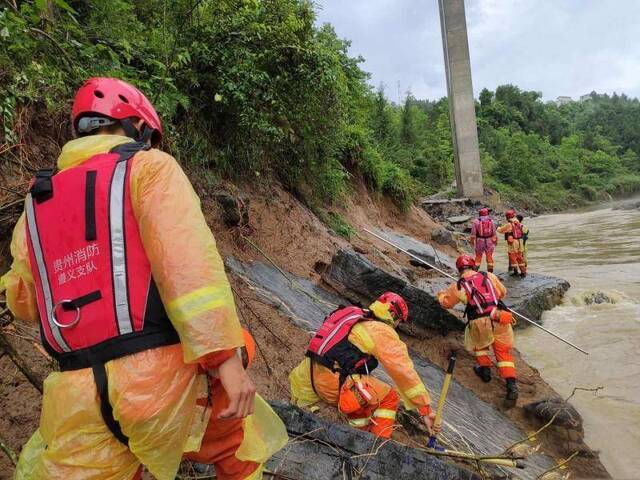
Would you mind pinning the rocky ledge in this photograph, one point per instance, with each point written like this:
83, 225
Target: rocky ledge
532, 295
321, 450
359, 280
470, 423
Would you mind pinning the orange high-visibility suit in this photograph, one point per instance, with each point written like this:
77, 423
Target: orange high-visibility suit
482, 332
515, 247
380, 340
154, 393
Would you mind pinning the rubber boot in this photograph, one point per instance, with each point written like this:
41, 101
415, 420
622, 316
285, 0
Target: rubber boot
515, 273
512, 390
483, 372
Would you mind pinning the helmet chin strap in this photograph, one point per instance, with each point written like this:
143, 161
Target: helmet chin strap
132, 132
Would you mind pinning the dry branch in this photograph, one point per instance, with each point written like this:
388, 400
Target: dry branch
8, 451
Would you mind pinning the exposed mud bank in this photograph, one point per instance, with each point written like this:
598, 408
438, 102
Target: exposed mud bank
271, 307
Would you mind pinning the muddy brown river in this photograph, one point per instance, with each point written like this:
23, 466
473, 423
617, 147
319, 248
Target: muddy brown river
598, 252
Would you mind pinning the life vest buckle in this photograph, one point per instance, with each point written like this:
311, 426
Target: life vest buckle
65, 304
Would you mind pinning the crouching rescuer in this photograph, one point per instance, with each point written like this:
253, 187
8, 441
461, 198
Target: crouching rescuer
343, 353
489, 323
114, 258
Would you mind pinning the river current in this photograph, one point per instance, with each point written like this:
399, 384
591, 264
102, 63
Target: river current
598, 252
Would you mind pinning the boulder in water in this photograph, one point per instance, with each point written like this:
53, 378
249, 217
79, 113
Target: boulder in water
532, 295
565, 414
598, 298
631, 205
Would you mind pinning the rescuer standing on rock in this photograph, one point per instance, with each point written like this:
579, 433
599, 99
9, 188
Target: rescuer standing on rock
483, 238
525, 238
341, 356
488, 321
513, 234
115, 260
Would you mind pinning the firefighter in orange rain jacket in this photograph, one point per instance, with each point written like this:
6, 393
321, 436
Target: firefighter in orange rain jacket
513, 234
489, 324
341, 356
115, 261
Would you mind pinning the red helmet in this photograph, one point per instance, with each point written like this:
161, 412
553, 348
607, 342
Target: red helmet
397, 305
465, 261
510, 213
483, 212
117, 100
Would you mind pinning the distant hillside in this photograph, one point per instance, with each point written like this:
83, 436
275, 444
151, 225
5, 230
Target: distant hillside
255, 90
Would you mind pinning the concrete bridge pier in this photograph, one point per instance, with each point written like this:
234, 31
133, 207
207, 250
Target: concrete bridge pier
460, 92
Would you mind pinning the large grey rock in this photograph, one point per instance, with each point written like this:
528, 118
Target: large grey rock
630, 205
469, 422
358, 279
321, 450
565, 414
532, 295
422, 250
444, 237
458, 219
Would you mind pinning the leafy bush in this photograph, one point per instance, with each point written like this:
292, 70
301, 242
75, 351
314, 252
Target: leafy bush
339, 225
255, 89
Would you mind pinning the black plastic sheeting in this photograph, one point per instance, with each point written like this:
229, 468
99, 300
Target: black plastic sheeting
355, 276
320, 450
470, 424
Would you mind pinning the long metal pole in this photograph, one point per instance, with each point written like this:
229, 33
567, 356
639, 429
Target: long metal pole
535, 324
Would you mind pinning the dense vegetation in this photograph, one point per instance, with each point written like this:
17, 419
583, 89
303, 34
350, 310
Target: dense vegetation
254, 88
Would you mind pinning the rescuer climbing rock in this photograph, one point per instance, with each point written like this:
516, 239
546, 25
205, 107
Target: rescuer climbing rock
341, 356
484, 238
115, 260
489, 323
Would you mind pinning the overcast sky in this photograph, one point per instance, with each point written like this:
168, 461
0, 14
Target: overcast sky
557, 47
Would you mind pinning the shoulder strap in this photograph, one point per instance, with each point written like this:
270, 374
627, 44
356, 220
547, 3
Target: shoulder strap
129, 149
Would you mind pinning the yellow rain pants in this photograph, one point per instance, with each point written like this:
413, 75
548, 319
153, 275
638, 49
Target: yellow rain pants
153, 393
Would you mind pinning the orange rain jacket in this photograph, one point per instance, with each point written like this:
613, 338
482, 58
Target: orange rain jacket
481, 332
375, 338
154, 392
514, 245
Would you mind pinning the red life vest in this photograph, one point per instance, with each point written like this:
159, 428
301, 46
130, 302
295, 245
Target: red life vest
96, 296
516, 230
485, 228
331, 347
481, 295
